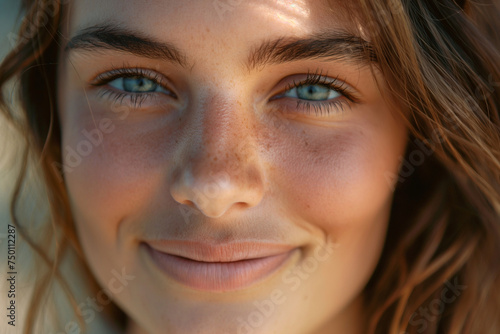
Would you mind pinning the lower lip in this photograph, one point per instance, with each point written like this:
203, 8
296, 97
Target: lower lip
217, 276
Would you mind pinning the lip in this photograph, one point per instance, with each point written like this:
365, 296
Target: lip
218, 268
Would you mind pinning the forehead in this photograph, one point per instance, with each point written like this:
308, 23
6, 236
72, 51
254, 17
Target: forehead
193, 19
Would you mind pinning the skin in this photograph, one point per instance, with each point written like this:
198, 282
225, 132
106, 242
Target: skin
221, 162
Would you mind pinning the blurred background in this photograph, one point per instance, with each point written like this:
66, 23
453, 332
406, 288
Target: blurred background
8, 14
9, 10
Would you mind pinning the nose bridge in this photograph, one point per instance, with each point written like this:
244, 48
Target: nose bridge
221, 163
223, 124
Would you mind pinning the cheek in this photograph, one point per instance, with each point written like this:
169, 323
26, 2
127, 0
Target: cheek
341, 179
113, 171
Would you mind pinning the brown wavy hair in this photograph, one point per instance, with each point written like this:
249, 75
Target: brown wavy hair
440, 268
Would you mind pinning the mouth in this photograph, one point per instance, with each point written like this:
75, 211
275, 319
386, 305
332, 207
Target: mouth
218, 268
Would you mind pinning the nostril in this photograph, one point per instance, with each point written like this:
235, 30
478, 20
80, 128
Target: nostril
242, 205
188, 203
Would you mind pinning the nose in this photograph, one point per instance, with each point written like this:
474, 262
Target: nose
220, 167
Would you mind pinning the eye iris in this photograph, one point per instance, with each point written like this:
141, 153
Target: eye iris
139, 84
313, 92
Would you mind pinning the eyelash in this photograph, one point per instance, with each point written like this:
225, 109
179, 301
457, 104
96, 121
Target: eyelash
136, 99
315, 78
335, 105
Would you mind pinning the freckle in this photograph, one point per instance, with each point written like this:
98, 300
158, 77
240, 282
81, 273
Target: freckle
308, 206
306, 143
215, 158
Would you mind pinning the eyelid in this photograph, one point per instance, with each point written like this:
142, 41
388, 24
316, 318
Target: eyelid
127, 72
317, 78
348, 96
135, 100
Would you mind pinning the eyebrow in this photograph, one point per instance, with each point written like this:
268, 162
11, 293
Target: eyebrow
325, 46
107, 37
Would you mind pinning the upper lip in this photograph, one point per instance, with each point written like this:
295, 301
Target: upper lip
228, 252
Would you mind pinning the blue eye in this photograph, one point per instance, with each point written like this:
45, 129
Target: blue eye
136, 84
136, 87
317, 92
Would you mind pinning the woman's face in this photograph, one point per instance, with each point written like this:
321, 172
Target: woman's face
199, 133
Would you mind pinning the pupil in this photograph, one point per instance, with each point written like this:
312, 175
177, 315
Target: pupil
313, 92
138, 84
